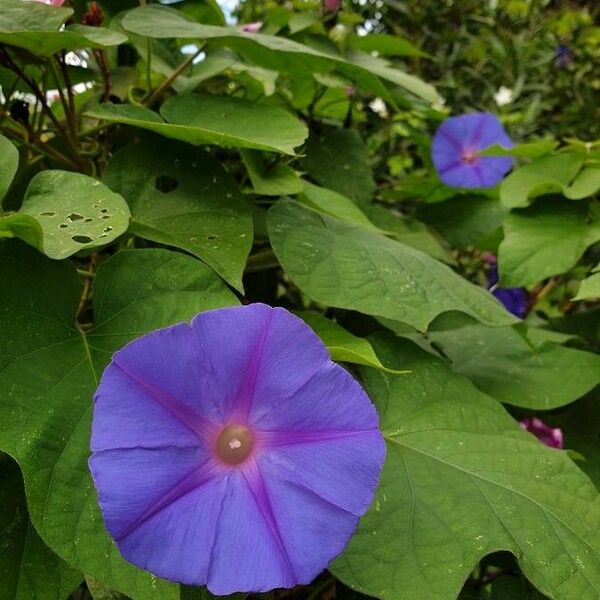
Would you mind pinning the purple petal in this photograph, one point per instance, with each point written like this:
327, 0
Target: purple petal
248, 554
330, 400
552, 437
263, 356
342, 470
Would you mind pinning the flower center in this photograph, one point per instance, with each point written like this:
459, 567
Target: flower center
234, 444
469, 156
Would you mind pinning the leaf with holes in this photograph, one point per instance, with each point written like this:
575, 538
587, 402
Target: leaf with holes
186, 200
347, 266
223, 121
74, 212
28, 569
462, 480
49, 369
9, 163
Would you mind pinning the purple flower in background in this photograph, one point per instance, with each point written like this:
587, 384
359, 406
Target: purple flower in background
233, 452
515, 300
564, 56
331, 5
252, 27
455, 151
552, 437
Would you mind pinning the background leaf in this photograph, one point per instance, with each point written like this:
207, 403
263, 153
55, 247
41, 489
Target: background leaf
461, 480
9, 163
544, 240
186, 200
224, 121
347, 266
504, 364
28, 569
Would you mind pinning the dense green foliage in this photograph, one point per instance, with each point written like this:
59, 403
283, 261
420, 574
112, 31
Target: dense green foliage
156, 162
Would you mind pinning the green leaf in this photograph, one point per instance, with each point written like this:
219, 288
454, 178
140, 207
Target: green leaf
342, 345
544, 240
276, 180
74, 211
347, 266
274, 52
338, 161
409, 231
546, 175
590, 287
28, 569
34, 26
462, 480
224, 121
384, 44
15, 225
182, 197
9, 163
579, 424
528, 150
509, 587
49, 369
464, 220
507, 366
334, 204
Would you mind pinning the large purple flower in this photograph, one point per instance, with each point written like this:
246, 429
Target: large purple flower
233, 452
455, 151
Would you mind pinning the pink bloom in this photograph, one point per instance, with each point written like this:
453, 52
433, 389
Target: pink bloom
331, 5
546, 434
252, 27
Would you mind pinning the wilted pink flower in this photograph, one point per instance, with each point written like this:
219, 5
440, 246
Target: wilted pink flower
252, 27
331, 5
552, 437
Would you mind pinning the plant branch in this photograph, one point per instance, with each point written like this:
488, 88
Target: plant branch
166, 84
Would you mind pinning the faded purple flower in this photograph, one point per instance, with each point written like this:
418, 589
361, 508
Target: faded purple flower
455, 151
515, 300
233, 452
252, 27
332, 5
552, 437
564, 56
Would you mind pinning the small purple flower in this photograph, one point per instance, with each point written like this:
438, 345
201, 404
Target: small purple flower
455, 151
252, 27
564, 56
515, 300
233, 452
552, 437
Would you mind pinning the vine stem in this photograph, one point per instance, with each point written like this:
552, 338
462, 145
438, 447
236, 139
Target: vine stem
155, 95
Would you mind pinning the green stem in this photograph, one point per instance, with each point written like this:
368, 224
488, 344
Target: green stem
156, 94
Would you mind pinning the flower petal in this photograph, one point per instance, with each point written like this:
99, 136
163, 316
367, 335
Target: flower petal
247, 554
260, 355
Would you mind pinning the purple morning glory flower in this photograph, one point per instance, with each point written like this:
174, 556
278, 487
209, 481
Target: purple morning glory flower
552, 437
233, 452
455, 151
515, 300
